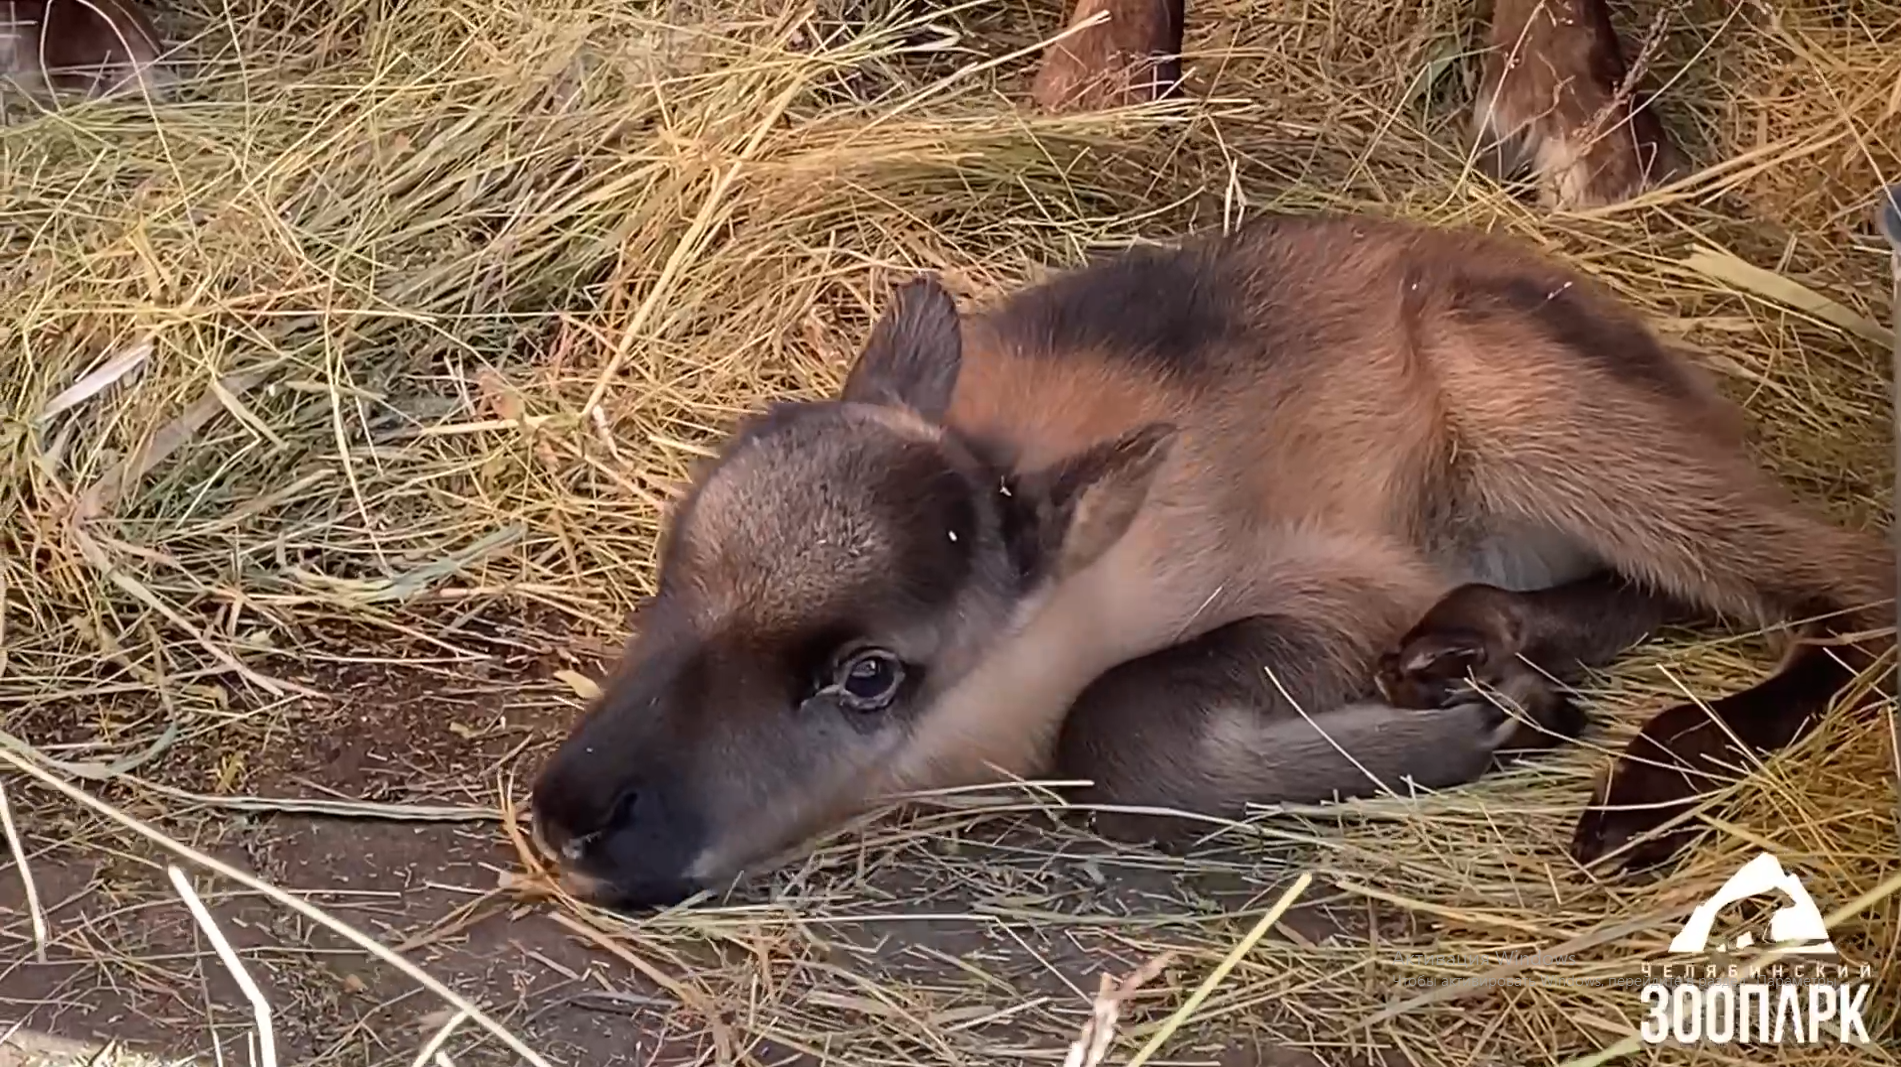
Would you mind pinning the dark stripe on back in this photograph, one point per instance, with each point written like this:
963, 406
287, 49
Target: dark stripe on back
1613, 342
1170, 309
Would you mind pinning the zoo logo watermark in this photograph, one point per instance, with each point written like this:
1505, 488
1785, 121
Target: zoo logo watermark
1780, 1003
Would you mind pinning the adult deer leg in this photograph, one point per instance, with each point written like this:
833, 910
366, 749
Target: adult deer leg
1554, 101
1130, 58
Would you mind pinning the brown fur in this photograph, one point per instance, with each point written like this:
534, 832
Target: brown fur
1134, 56
1172, 523
92, 47
1552, 100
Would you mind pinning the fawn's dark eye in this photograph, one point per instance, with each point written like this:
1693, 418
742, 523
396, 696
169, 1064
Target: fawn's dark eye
868, 679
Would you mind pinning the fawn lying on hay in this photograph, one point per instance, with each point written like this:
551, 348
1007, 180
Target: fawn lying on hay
1231, 522
92, 47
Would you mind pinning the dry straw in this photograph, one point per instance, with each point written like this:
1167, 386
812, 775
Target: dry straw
395, 339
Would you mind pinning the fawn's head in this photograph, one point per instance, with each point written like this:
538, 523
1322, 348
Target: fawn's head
832, 574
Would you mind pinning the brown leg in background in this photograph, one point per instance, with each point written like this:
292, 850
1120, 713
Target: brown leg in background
1131, 58
1552, 102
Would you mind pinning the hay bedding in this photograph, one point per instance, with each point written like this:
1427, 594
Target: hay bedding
407, 323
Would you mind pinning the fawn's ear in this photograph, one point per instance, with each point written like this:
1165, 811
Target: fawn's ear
1065, 516
914, 353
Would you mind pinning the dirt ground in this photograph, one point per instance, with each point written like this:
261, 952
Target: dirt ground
127, 962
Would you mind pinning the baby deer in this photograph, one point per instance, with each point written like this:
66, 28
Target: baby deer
1240, 521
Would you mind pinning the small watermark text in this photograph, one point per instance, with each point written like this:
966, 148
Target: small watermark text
1481, 959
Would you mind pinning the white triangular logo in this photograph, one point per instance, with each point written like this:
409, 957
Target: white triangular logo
1795, 928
